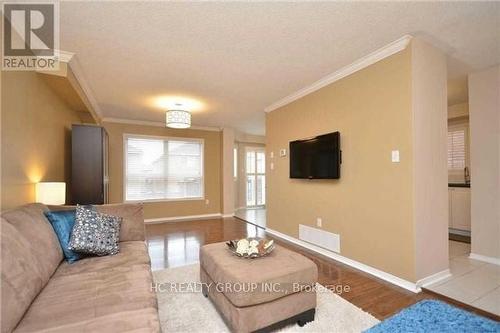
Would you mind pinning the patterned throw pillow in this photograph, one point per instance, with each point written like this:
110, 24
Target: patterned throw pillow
95, 233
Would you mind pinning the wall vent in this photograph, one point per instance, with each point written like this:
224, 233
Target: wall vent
321, 238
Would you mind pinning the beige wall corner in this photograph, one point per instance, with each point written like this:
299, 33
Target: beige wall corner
371, 205
211, 204
429, 108
36, 137
228, 188
484, 116
68, 86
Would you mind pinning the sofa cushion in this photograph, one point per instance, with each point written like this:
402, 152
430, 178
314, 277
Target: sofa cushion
21, 276
132, 226
30, 255
31, 223
137, 321
131, 253
62, 222
281, 273
95, 300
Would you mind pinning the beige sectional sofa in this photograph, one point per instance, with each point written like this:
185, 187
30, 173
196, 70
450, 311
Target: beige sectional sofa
42, 292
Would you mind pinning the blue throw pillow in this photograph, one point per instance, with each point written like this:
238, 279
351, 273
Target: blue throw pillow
62, 222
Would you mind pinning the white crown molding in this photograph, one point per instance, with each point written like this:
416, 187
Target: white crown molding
154, 123
383, 52
75, 67
64, 56
480, 257
182, 218
413, 287
434, 278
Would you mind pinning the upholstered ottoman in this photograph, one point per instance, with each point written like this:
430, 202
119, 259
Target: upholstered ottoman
259, 294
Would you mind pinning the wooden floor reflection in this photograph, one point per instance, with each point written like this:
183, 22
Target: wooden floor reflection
178, 244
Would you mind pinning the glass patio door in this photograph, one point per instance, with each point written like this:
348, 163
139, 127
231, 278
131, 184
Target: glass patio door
256, 176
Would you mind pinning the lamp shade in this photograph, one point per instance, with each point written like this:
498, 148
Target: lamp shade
51, 193
178, 119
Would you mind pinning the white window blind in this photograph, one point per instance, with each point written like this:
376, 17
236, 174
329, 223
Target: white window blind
456, 149
163, 168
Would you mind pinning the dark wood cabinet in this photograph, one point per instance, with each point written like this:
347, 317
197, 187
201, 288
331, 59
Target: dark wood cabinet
89, 165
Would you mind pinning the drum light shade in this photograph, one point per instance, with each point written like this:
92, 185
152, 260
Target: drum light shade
51, 193
178, 119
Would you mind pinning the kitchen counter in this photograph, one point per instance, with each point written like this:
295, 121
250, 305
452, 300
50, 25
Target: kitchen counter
458, 185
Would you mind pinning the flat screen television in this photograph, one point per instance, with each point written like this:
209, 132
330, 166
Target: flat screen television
316, 158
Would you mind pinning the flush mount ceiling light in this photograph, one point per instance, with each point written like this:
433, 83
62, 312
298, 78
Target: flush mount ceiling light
178, 119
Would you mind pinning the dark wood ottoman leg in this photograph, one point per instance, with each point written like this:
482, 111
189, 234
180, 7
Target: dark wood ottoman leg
301, 319
306, 317
204, 290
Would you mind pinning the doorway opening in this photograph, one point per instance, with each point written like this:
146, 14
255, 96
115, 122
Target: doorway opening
253, 182
255, 167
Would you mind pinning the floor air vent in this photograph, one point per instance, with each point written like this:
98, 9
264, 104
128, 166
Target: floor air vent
321, 238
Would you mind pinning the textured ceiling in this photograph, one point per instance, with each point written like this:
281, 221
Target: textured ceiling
236, 58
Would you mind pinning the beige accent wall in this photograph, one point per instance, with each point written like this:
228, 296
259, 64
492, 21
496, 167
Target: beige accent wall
458, 110
155, 210
484, 108
458, 92
371, 205
391, 216
430, 168
36, 137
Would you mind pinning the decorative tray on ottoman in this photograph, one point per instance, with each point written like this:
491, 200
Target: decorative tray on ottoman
251, 247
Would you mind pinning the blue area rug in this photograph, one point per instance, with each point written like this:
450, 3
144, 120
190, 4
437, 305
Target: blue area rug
435, 316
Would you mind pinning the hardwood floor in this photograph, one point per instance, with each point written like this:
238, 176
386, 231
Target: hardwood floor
177, 244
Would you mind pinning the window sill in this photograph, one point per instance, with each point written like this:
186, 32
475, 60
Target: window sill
164, 200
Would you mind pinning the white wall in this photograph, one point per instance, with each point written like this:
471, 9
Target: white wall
430, 126
484, 117
227, 171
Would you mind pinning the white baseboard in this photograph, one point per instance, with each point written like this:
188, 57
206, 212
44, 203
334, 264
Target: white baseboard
480, 257
413, 287
434, 278
183, 218
227, 215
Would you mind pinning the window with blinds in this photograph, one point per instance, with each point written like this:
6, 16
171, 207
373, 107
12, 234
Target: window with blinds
456, 149
163, 168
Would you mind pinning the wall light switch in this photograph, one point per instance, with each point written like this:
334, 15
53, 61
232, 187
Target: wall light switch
207, 202
395, 156
271, 154
271, 166
282, 152
319, 222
